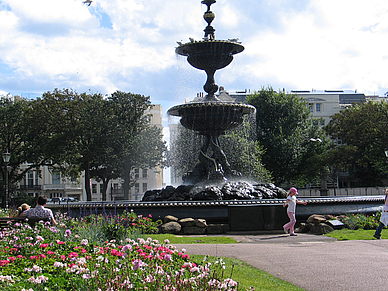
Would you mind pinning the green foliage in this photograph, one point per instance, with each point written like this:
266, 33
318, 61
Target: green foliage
285, 130
362, 129
56, 258
179, 239
248, 277
74, 132
245, 154
242, 151
360, 221
358, 234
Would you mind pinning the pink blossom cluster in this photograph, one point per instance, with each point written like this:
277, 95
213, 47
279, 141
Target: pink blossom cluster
50, 254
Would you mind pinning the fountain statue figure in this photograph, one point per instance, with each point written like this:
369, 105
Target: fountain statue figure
210, 116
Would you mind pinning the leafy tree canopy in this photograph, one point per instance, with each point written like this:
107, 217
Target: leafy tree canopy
285, 130
362, 133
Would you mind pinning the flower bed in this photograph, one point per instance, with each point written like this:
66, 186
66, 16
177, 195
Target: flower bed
67, 257
360, 221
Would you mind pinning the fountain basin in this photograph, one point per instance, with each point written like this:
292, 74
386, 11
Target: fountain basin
209, 54
211, 117
262, 215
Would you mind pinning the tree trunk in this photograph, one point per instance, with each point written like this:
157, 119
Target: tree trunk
105, 187
87, 183
127, 179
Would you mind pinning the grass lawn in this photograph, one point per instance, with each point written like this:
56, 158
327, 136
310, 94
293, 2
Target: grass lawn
359, 234
180, 239
243, 273
248, 276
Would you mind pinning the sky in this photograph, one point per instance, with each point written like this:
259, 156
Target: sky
129, 45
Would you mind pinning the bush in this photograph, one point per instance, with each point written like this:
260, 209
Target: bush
49, 258
360, 221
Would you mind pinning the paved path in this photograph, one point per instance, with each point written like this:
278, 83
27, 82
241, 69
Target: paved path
314, 263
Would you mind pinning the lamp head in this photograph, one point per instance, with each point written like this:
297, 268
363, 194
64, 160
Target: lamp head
6, 157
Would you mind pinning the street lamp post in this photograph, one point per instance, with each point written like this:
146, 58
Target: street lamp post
6, 158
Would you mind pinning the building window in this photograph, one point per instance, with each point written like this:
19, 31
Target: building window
137, 188
30, 178
94, 188
56, 178
101, 188
311, 108
318, 107
137, 174
145, 187
144, 174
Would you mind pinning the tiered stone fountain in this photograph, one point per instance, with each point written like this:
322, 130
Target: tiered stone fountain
212, 178
210, 191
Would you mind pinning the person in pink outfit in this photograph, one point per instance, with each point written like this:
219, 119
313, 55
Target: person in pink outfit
291, 202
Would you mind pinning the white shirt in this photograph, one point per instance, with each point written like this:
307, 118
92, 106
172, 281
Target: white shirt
291, 201
39, 211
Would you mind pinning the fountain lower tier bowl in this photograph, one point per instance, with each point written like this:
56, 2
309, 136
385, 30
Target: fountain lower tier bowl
210, 54
211, 117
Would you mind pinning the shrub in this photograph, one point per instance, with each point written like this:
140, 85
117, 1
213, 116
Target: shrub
360, 221
61, 258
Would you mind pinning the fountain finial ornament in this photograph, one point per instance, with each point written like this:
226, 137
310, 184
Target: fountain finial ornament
209, 17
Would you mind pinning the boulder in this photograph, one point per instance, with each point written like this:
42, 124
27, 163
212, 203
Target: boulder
186, 222
170, 227
169, 218
304, 227
200, 222
316, 219
206, 193
238, 190
321, 228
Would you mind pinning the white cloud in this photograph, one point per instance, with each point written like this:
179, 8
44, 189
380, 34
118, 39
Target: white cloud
320, 44
333, 52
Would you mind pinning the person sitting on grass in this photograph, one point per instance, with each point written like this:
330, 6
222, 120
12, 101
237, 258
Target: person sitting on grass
40, 211
383, 218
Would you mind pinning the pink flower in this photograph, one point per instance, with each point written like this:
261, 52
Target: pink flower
43, 246
115, 252
72, 255
4, 262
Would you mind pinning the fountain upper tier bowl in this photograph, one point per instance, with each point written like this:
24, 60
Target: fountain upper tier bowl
209, 54
211, 117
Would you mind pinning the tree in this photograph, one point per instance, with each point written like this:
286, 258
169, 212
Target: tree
243, 153
362, 133
285, 130
12, 140
137, 143
20, 136
72, 131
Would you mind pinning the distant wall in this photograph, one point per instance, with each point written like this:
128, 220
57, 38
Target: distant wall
364, 191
